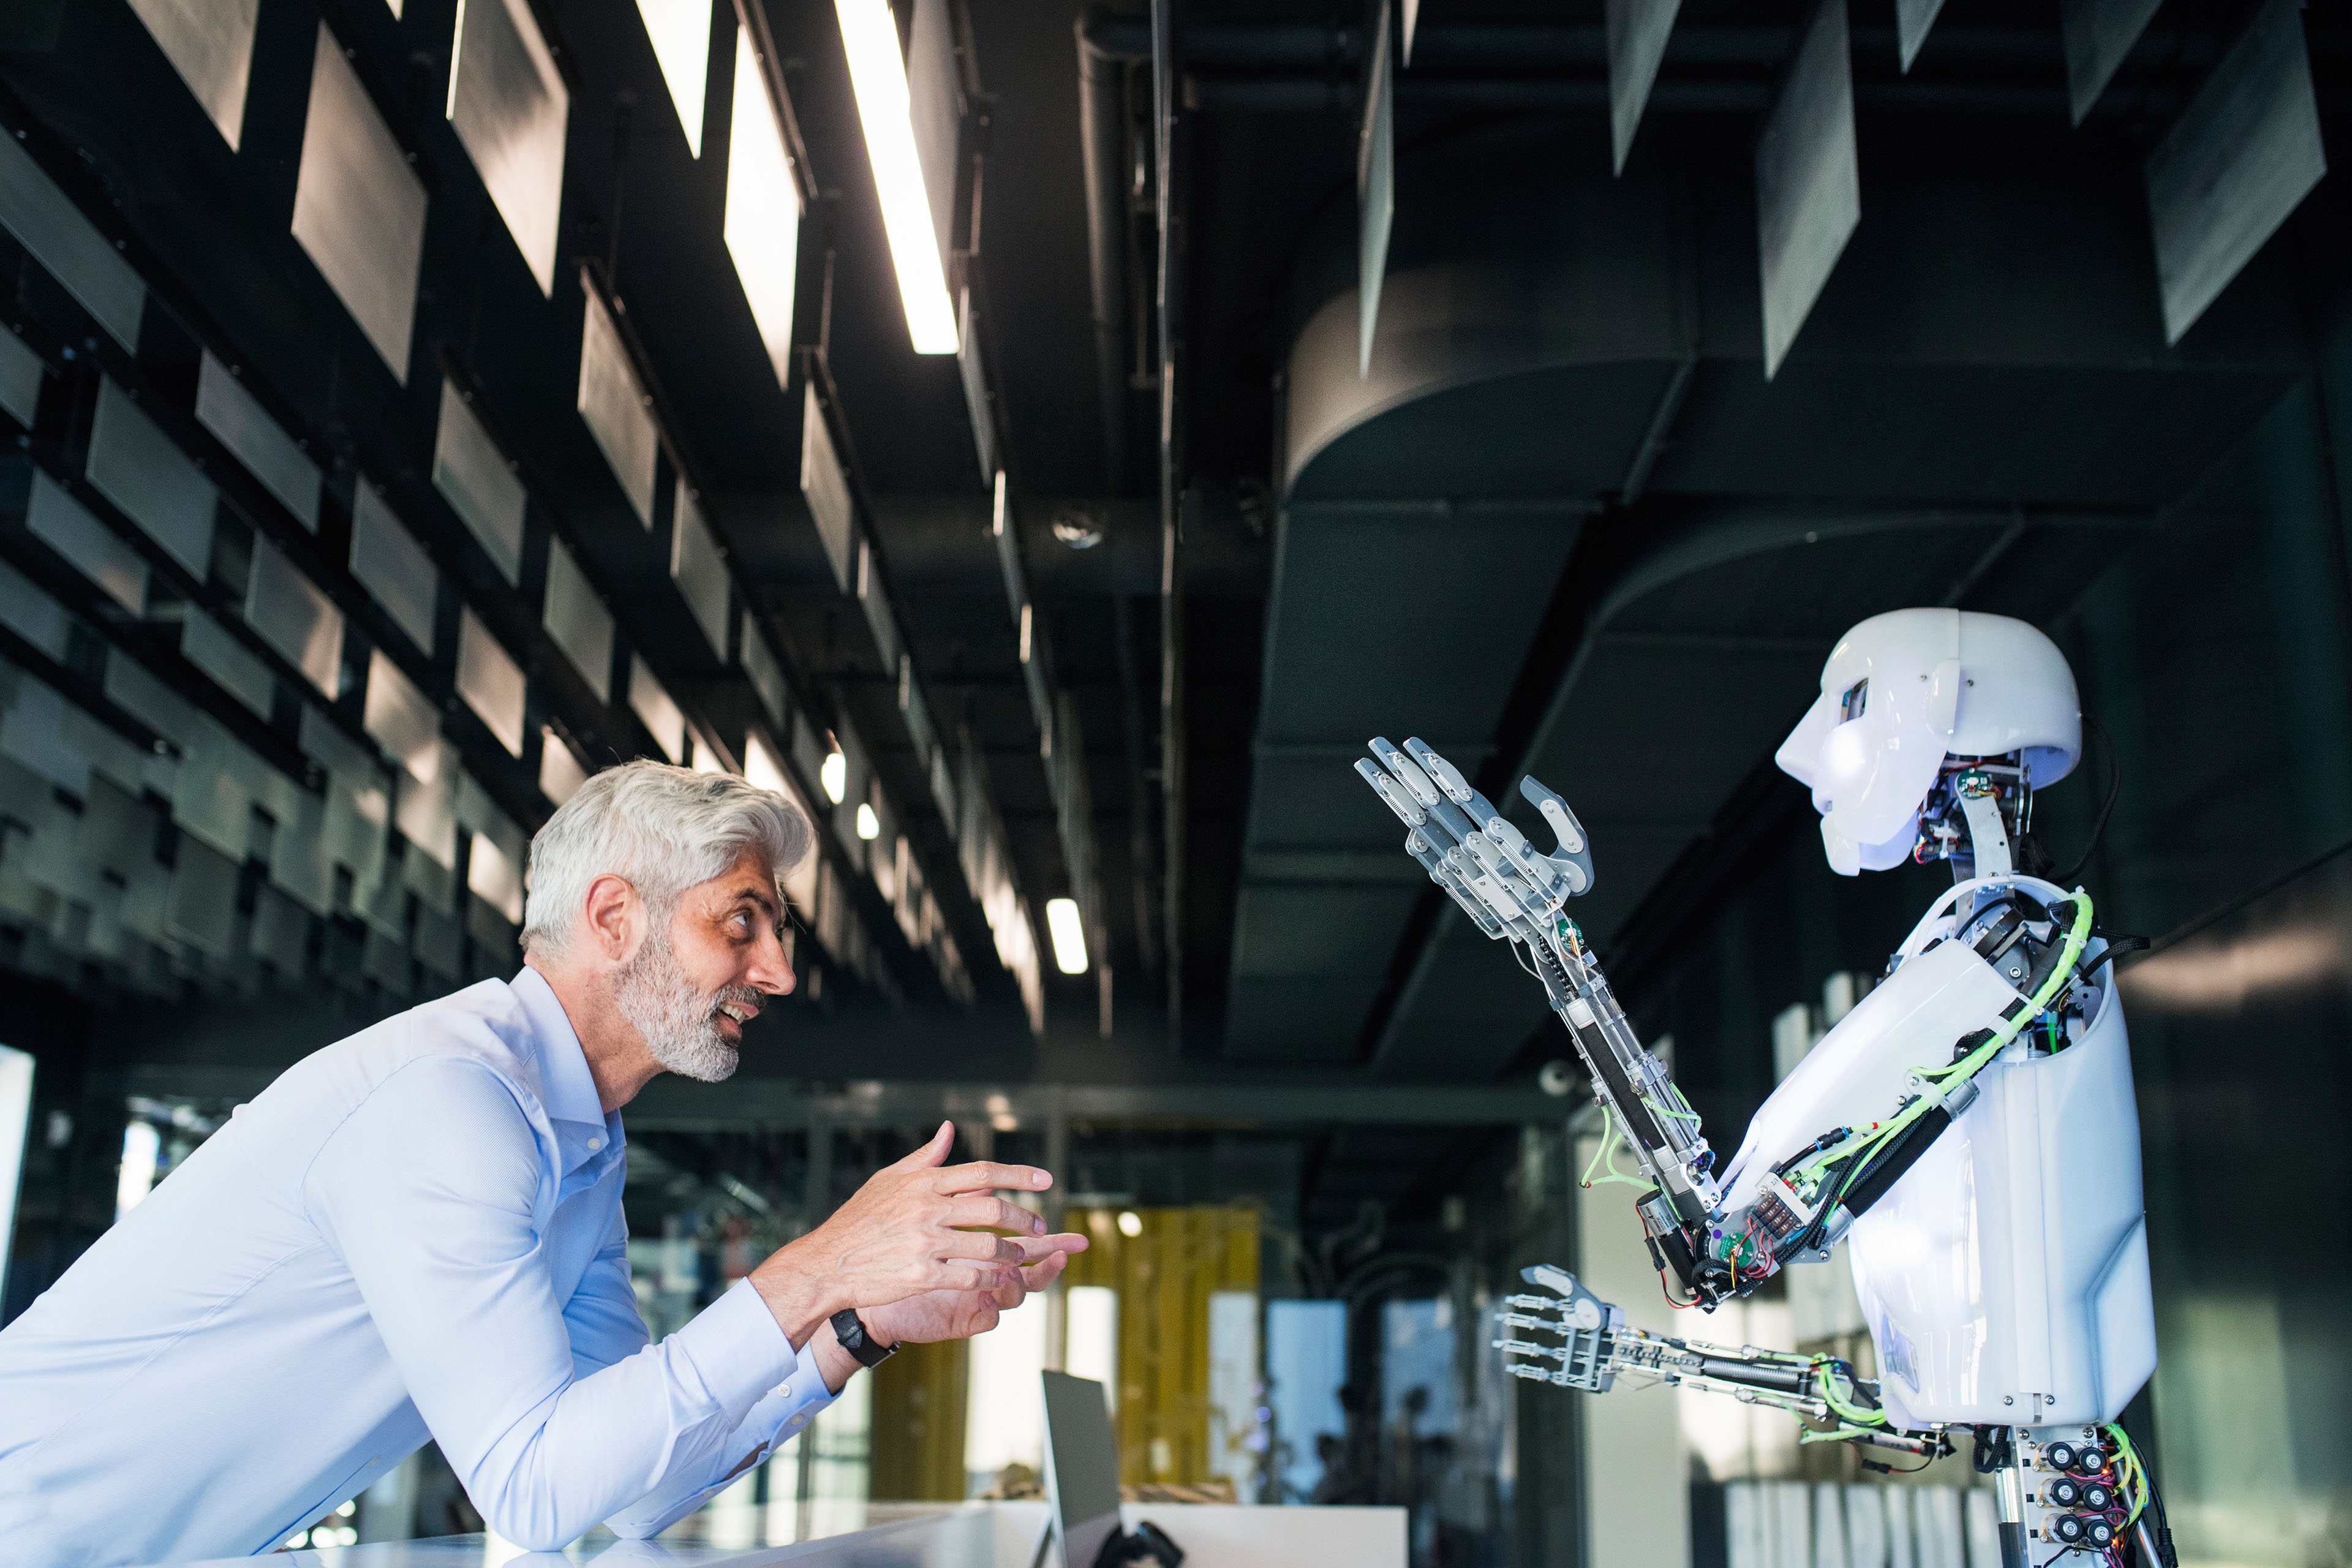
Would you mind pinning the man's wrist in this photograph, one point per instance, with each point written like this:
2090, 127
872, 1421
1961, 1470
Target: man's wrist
833, 1364
868, 1346
799, 1303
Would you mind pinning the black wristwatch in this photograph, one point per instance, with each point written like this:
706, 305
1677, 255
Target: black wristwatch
850, 1330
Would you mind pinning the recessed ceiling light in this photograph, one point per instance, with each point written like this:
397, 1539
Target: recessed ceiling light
878, 74
1069, 935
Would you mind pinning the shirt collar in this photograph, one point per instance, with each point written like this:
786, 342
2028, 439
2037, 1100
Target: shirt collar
583, 1126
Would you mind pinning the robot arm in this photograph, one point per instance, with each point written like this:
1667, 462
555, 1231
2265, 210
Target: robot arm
1512, 891
2085, 1492
1835, 1137
1594, 1347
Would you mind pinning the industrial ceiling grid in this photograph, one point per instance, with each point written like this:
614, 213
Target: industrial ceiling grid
243, 670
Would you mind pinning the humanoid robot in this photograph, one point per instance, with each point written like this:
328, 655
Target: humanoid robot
1969, 1129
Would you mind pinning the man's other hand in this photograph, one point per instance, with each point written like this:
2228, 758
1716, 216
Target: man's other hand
917, 1226
960, 1314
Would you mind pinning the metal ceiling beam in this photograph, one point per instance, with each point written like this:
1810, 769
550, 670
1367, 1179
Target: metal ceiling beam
1169, 122
1260, 94
1102, 143
1287, 68
674, 1105
1550, 46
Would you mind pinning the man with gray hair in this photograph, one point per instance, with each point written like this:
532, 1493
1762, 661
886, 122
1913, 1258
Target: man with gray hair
416, 1232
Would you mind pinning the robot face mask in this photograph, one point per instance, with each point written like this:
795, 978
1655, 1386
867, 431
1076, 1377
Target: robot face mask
1904, 689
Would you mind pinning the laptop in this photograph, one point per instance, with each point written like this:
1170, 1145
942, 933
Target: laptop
1081, 1468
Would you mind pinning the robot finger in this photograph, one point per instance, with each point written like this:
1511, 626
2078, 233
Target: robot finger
1408, 810
1575, 850
1433, 861
1542, 874
1449, 780
1406, 770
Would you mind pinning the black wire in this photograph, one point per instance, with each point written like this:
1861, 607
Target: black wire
1892, 1469
2099, 822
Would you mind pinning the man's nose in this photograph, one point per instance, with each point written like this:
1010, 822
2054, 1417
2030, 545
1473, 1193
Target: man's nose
770, 971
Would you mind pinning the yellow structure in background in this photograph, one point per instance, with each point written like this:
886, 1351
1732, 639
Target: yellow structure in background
1165, 1272
919, 1423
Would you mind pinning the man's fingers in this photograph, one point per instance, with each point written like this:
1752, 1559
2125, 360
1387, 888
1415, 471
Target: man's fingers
982, 1175
1033, 1248
981, 1209
946, 1275
983, 1245
934, 1153
1037, 1276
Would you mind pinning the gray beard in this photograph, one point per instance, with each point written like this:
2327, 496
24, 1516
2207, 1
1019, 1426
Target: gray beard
679, 1023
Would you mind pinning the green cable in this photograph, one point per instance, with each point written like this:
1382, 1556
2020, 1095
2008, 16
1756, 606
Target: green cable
1608, 1150
2132, 1468
1843, 1434
2005, 1030
1838, 1405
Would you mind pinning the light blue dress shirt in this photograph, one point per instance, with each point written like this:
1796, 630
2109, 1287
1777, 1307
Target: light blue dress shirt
416, 1232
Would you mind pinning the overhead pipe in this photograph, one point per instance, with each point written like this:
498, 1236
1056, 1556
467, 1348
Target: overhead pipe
1257, 93
1102, 97
1168, 145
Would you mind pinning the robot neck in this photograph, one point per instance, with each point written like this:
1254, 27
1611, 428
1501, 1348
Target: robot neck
1973, 817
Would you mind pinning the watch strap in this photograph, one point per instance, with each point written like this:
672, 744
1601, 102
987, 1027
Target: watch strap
850, 1330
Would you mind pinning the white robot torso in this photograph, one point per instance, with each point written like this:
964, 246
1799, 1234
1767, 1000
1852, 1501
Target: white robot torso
2004, 1276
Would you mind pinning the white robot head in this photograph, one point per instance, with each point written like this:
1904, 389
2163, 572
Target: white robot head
1903, 690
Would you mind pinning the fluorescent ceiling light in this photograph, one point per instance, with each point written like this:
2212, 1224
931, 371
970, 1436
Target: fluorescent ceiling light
681, 30
763, 209
868, 825
878, 72
834, 774
1069, 935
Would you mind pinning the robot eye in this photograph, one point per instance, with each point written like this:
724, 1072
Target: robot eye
1856, 698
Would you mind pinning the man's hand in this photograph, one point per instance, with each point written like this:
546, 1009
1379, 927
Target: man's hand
948, 1314
960, 1314
912, 1228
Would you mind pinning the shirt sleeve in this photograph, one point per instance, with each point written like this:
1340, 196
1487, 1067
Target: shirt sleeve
429, 1192
602, 1317
776, 1419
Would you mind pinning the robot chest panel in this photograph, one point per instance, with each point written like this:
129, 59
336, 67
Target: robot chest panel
2004, 1276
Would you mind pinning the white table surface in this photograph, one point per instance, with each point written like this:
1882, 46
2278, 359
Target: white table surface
914, 1535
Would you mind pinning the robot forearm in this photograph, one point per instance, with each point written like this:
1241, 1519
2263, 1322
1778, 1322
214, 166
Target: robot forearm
1512, 891
1581, 1342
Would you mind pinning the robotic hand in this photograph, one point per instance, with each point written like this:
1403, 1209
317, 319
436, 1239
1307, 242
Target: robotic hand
1970, 1127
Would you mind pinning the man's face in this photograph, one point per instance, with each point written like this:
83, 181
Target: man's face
691, 987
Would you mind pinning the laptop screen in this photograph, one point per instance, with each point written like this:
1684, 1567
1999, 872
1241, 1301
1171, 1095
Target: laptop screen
1081, 1468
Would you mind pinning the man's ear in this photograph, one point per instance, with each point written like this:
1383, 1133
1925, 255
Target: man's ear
614, 916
